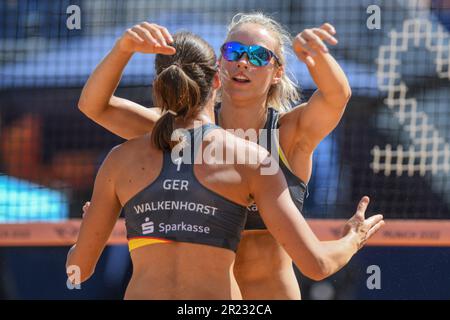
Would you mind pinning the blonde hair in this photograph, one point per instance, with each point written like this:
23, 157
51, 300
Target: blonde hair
282, 95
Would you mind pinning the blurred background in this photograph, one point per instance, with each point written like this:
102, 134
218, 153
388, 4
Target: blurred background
392, 143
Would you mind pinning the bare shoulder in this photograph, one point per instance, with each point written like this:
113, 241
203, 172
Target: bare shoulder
155, 110
128, 151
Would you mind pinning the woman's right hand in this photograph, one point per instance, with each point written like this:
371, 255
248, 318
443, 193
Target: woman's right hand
146, 37
359, 227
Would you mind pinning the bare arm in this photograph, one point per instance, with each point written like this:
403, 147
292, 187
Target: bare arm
98, 222
316, 118
316, 259
121, 116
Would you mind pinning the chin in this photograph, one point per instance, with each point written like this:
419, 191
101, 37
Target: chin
241, 97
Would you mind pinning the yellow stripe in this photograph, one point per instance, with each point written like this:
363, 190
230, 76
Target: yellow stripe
141, 242
281, 154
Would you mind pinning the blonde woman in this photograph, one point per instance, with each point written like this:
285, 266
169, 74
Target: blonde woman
256, 93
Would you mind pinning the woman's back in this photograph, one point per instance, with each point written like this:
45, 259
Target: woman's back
184, 221
182, 270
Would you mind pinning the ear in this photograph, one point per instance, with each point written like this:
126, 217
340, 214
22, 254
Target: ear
278, 75
216, 81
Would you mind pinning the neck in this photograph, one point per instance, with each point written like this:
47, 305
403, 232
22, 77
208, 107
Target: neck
242, 115
203, 117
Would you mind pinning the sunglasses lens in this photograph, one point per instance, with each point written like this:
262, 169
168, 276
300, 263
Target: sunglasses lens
257, 55
260, 56
231, 51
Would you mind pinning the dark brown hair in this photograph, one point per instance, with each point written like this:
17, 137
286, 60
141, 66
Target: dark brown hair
183, 84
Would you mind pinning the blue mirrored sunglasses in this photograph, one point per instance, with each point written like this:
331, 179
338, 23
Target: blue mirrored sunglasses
257, 55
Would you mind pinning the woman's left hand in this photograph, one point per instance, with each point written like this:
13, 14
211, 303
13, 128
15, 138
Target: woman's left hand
310, 42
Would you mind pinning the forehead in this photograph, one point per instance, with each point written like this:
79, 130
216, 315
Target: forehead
250, 33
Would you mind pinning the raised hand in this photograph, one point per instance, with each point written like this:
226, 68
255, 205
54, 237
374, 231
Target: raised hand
310, 42
147, 37
363, 229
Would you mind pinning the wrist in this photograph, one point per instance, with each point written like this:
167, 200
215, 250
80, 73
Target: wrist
120, 48
352, 240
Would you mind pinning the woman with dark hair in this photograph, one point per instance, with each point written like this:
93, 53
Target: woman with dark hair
185, 209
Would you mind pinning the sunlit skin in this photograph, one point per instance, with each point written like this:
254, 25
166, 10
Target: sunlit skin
261, 263
251, 95
263, 269
185, 270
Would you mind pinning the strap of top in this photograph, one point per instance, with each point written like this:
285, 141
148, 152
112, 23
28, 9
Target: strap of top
197, 135
192, 143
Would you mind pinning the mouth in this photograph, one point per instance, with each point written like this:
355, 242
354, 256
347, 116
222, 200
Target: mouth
240, 78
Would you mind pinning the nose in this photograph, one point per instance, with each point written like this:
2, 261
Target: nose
243, 61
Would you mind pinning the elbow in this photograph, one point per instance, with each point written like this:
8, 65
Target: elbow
339, 98
78, 273
316, 277
77, 270
323, 270
86, 274
344, 96
347, 94
90, 109
345, 89
82, 105
320, 269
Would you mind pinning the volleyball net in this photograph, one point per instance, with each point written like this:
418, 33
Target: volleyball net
392, 143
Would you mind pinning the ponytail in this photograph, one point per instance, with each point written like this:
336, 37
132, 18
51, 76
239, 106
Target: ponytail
178, 96
183, 85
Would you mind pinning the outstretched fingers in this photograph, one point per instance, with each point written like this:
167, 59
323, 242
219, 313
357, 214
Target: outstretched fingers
374, 229
362, 207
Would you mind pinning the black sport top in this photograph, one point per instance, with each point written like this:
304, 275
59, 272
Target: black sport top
297, 188
177, 207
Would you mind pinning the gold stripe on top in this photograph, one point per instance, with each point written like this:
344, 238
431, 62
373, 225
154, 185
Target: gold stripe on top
135, 243
283, 158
